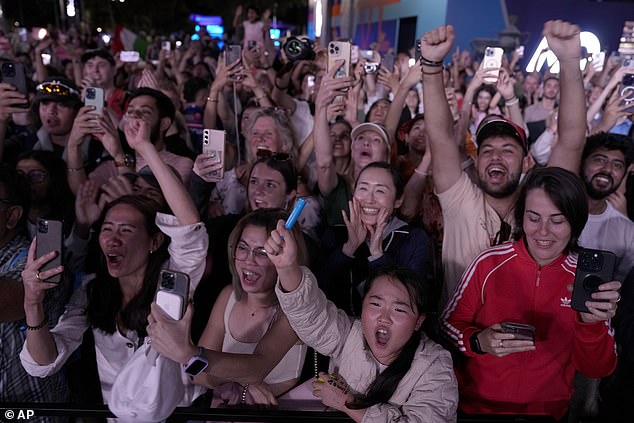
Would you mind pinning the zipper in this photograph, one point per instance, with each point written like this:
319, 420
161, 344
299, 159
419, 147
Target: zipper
539, 276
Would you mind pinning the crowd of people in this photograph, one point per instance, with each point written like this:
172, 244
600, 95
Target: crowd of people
442, 208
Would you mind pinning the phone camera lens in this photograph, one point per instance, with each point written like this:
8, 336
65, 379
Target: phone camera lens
42, 227
167, 281
90, 93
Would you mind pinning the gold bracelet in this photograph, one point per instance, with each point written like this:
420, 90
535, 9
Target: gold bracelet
212, 100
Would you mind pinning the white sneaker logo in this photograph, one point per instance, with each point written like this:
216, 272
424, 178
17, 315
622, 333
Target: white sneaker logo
565, 302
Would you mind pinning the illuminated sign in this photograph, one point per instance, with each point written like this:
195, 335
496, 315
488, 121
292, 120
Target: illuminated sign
543, 54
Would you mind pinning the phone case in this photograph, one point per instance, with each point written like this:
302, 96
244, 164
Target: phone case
233, 54
173, 293
214, 146
387, 62
50, 238
492, 59
94, 97
339, 50
594, 267
521, 331
13, 73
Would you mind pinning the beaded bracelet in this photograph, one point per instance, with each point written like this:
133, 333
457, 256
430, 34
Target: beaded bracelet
38, 327
243, 397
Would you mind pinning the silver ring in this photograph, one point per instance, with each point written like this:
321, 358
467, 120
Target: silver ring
501, 343
37, 276
149, 341
618, 299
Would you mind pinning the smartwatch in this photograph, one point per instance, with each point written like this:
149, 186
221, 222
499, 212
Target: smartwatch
474, 343
197, 364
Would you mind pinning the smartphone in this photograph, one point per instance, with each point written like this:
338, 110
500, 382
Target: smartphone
339, 50
521, 331
387, 62
354, 54
49, 237
13, 73
166, 45
23, 34
214, 147
594, 267
173, 293
492, 59
130, 56
233, 54
366, 54
520, 51
46, 59
94, 97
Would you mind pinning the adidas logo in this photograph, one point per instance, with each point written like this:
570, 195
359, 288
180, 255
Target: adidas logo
565, 302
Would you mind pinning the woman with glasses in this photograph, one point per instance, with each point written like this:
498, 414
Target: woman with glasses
252, 351
529, 282
51, 196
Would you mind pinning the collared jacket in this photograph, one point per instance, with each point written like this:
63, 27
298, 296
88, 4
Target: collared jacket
505, 284
428, 392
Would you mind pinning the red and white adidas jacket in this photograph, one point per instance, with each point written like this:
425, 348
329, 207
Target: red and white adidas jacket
504, 284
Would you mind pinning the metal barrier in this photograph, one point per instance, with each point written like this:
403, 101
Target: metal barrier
238, 414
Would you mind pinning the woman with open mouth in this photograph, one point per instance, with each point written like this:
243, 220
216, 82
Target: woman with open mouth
372, 237
253, 353
387, 368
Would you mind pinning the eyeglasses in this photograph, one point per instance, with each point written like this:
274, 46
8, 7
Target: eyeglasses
243, 252
35, 176
263, 153
57, 88
503, 235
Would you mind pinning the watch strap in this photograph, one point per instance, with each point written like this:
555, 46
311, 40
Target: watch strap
197, 364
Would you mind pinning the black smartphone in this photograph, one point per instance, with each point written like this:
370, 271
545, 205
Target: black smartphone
521, 331
173, 293
387, 62
50, 237
13, 73
594, 267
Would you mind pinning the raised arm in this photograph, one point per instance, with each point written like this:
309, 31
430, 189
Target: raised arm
137, 132
564, 40
434, 46
330, 88
396, 108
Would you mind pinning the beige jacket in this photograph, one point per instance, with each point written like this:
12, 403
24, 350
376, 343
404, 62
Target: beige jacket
427, 393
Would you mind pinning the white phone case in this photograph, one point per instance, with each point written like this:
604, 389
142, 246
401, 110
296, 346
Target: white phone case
492, 59
171, 303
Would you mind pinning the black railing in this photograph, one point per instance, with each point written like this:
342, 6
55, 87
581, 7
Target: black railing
282, 414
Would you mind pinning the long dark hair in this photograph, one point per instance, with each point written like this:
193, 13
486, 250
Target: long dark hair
385, 384
104, 292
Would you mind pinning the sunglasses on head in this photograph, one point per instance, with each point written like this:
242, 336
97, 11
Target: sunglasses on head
56, 88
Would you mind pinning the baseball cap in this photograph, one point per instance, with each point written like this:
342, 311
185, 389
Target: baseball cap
369, 126
500, 126
58, 89
99, 52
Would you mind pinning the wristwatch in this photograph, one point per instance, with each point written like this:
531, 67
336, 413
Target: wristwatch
197, 364
474, 342
127, 161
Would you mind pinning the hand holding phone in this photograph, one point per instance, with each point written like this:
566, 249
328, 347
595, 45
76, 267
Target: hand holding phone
173, 293
521, 331
214, 148
95, 98
50, 238
594, 267
491, 63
